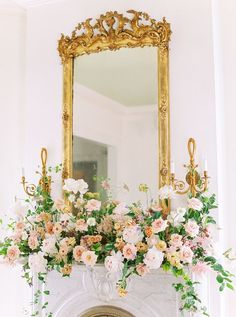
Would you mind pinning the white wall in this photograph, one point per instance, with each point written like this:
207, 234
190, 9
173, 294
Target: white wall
14, 294
225, 69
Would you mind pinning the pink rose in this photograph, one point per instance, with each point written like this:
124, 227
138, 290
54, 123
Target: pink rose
186, 254
159, 225
176, 240
105, 185
200, 268
195, 204
191, 228
92, 205
129, 251
13, 254
142, 269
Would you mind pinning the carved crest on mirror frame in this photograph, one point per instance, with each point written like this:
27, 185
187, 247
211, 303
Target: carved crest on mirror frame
113, 31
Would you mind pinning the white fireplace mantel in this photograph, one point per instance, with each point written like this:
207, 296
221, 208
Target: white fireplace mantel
151, 296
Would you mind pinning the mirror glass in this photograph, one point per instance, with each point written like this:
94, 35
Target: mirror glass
115, 120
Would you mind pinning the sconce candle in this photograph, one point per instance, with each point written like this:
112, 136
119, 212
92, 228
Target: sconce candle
205, 165
172, 167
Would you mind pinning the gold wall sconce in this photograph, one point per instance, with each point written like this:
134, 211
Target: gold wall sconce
194, 182
45, 180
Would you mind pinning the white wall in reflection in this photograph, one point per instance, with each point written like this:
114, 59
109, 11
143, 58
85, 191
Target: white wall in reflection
130, 134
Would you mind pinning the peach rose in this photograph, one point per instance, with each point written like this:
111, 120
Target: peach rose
13, 253
33, 242
77, 252
57, 228
81, 225
142, 269
159, 225
129, 251
63, 251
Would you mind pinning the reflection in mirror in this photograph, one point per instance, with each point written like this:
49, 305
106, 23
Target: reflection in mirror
115, 133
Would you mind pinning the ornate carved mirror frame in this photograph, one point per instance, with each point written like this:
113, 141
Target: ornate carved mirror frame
113, 31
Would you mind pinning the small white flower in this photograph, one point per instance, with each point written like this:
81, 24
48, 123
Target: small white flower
24, 235
91, 222
71, 198
176, 217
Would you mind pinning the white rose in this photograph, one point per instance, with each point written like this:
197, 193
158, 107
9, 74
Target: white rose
113, 263
191, 228
133, 234
166, 192
121, 209
75, 186
153, 258
37, 263
49, 246
195, 204
91, 222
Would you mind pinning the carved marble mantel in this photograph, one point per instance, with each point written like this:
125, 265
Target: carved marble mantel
151, 296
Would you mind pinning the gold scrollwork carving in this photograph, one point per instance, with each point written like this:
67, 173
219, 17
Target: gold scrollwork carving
112, 31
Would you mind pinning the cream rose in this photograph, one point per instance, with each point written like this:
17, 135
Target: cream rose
89, 258
195, 204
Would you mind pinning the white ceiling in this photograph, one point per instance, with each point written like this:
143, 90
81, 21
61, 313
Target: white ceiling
128, 76
30, 3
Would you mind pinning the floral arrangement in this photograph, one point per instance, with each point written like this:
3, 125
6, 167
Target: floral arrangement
128, 239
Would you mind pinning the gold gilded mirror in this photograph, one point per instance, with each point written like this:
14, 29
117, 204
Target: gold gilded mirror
116, 103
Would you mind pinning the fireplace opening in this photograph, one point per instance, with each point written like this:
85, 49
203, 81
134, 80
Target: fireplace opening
106, 311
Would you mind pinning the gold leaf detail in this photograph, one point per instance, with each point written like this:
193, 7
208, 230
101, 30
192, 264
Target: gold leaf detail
112, 31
